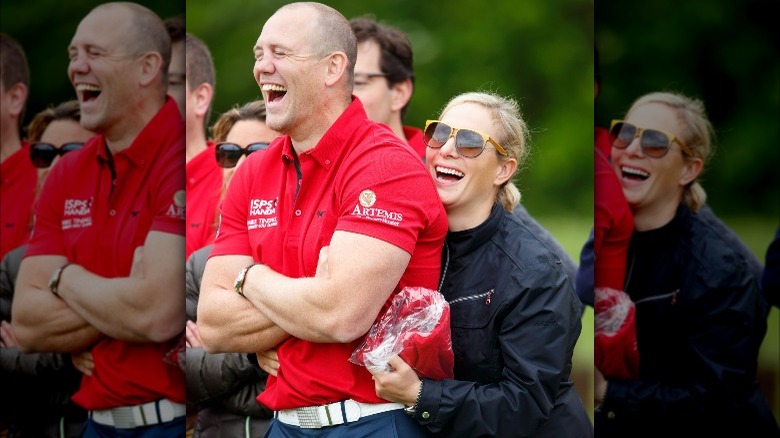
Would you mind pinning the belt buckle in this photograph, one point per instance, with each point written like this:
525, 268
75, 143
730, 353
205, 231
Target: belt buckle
123, 418
308, 418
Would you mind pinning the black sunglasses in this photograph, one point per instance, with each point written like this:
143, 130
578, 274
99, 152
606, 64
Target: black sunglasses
468, 142
228, 154
654, 143
42, 154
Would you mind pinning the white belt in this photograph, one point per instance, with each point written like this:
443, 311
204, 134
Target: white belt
147, 414
315, 417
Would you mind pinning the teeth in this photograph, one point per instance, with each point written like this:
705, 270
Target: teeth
273, 87
87, 87
449, 171
634, 171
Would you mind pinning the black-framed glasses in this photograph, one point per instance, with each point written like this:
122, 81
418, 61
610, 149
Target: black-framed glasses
654, 143
228, 154
43, 154
468, 142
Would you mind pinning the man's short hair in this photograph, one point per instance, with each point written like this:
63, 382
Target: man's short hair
396, 56
200, 66
13, 63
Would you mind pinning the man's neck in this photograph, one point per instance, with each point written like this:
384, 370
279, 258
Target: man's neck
196, 141
398, 128
120, 137
9, 144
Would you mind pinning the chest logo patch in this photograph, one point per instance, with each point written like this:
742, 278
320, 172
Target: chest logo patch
262, 213
77, 213
367, 198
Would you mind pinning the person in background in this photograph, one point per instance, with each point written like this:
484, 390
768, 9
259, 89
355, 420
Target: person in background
18, 177
515, 317
700, 315
204, 177
224, 386
770, 278
37, 386
103, 271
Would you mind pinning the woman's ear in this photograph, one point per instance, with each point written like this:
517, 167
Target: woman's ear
505, 171
690, 170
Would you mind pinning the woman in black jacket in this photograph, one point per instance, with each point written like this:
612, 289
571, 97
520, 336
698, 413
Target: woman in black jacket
515, 317
700, 315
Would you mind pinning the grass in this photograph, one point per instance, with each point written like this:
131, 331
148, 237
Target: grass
756, 232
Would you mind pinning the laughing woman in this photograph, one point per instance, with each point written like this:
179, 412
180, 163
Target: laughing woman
699, 313
515, 317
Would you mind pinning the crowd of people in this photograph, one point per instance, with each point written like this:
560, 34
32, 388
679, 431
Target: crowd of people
163, 276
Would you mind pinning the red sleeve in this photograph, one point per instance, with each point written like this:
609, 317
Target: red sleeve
170, 202
613, 225
46, 238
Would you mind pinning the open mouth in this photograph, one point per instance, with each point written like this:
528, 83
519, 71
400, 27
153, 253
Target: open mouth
88, 92
633, 173
449, 175
275, 92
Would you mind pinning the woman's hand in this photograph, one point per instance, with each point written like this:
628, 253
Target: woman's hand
268, 361
401, 385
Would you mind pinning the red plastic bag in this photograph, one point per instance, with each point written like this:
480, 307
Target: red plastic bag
416, 327
615, 349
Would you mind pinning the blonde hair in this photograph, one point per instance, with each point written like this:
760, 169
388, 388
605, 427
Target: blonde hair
697, 134
513, 135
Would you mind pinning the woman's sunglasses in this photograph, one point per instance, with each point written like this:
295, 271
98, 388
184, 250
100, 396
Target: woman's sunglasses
228, 154
468, 143
654, 143
43, 154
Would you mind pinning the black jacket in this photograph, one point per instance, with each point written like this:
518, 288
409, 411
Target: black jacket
35, 388
223, 386
700, 320
515, 319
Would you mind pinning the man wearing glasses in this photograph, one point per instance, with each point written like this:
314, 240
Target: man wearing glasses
334, 179
102, 276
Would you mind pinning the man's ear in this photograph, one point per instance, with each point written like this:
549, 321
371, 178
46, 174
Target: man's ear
17, 94
203, 94
505, 171
151, 64
690, 170
401, 93
336, 67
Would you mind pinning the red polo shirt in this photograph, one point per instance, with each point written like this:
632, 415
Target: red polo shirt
414, 136
18, 178
98, 225
204, 189
359, 178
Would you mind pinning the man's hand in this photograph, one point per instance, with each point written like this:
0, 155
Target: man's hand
193, 335
7, 338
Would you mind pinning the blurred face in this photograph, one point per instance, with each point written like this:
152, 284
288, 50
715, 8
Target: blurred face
285, 69
244, 133
652, 186
466, 184
102, 70
177, 75
59, 132
373, 92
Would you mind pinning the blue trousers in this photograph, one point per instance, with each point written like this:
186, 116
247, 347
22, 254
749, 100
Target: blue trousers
175, 428
392, 424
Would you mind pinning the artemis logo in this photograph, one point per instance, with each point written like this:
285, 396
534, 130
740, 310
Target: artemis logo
378, 214
262, 207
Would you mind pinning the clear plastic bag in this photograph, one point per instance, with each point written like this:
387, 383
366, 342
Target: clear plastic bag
416, 327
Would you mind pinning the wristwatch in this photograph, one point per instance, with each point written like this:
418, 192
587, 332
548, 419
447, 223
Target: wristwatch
238, 284
54, 281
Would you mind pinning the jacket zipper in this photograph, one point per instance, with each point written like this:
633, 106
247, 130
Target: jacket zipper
474, 297
672, 294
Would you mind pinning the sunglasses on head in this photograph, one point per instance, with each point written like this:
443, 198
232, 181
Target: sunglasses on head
228, 154
654, 143
42, 154
468, 143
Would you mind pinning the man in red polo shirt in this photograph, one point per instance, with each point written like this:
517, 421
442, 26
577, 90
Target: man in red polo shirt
18, 176
384, 77
104, 271
204, 176
334, 179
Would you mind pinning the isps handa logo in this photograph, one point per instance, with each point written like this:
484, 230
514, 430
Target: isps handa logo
77, 213
262, 213
178, 206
